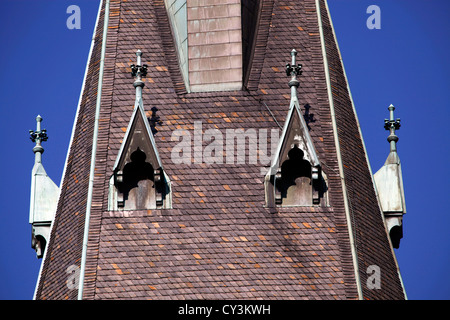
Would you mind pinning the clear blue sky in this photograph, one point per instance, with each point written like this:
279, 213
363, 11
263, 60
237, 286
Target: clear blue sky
404, 63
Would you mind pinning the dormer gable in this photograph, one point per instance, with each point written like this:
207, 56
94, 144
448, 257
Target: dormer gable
138, 180
295, 177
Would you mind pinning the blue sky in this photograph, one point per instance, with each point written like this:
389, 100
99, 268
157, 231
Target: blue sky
405, 63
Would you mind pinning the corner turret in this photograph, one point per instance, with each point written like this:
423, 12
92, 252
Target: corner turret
44, 195
389, 183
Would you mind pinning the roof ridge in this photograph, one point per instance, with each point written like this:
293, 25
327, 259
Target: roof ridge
168, 46
258, 48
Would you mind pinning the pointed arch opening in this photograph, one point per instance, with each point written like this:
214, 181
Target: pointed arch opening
295, 177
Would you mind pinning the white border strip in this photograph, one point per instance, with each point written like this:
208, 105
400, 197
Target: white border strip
338, 151
93, 155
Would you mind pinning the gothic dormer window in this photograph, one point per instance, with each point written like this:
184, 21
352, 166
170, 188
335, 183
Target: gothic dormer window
295, 177
139, 181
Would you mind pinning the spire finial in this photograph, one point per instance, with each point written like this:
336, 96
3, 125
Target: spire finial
392, 124
293, 70
138, 71
38, 136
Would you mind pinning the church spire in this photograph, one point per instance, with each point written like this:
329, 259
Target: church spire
115, 221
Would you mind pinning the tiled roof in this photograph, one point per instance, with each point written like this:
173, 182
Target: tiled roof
218, 241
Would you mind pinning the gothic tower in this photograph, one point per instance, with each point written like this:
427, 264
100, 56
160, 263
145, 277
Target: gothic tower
216, 154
